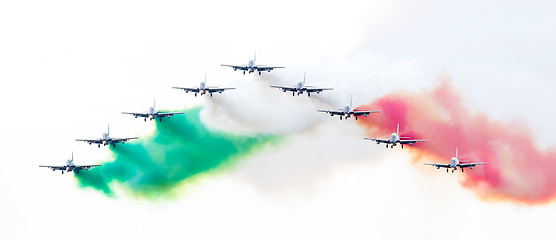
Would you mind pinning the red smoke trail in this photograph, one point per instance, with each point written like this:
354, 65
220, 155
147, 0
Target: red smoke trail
517, 170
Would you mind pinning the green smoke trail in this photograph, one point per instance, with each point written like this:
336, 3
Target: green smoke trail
180, 148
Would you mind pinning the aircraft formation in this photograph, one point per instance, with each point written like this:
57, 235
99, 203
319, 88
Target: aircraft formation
344, 113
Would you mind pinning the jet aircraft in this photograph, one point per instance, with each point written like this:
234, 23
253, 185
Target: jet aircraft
153, 114
300, 88
71, 167
348, 111
251, 67
203, 89
106, 139
395, 138
455, 163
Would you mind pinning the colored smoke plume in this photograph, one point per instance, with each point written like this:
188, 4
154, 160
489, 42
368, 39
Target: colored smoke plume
517, 169
180, 148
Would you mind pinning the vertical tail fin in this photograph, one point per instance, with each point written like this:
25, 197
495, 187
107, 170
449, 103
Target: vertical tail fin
398, 130
205, 78
456, 152
255, 57
304, 75
70, 161
154, 103
108, 132
351, 101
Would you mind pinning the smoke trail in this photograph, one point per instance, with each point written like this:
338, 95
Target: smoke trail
179, 149
254, 107
517, 169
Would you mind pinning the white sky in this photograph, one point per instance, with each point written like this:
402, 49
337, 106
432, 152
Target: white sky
68, 68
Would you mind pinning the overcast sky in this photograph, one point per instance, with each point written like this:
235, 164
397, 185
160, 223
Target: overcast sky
67, 69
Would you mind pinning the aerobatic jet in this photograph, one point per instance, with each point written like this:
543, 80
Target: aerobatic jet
106, 139
455, 163
395, 139
251, 67
71, 167
204, 89
153, 114
300, 88
348, 111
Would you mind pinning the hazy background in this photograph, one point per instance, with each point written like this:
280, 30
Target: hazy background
67, 69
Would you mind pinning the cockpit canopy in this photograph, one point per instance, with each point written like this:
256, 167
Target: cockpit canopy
394, 137
347, 109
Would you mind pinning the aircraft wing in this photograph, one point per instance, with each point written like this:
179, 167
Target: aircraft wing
136, 114
54, 167
95, 141
218, 89
120, 140
291, 89
411, 141
464, 165
317, 90
331, 112
187, 89
86, 167
437, 165
378, 140
360, 112
235, 67
168, 114
265, 68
